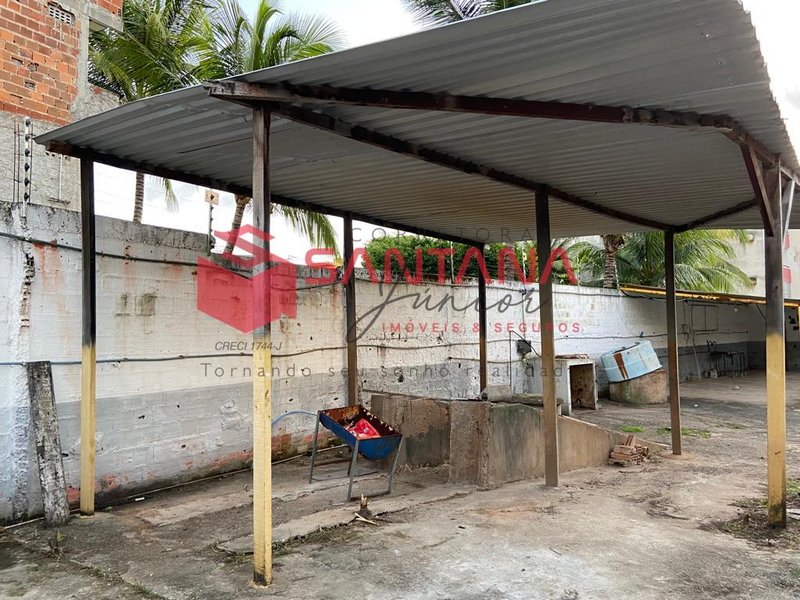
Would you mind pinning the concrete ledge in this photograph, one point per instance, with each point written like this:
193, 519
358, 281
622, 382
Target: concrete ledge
424, 423
490, 444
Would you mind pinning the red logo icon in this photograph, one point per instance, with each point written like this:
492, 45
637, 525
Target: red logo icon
247, 303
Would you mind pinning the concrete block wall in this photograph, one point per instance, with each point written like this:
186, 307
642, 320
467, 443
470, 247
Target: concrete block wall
174, 385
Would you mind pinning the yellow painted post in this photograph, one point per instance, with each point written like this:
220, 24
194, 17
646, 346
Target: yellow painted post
776, 366
547, 332
262, 359
88, 338
672, 344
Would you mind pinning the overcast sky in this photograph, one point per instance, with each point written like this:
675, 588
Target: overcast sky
366, 21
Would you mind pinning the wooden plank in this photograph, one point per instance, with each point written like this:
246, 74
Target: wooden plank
88, 338
483, 326
547, 329
776, 369
262, 359
350, 314
673, 369
48, 443
755, 172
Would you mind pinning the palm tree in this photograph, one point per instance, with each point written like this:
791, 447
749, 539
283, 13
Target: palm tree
154, 52
235, 44
612, 243
702, 260
438, 12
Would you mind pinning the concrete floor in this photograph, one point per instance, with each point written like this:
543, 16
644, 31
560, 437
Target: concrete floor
641, 532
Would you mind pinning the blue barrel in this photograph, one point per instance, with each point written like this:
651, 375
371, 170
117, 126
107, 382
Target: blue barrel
630, 362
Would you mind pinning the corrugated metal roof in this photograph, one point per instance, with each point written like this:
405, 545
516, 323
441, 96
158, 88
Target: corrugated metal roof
698, 55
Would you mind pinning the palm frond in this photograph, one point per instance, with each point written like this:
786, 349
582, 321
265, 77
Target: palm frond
315, 227
439, 12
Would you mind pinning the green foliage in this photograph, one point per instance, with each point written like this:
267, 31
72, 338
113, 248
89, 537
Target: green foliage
686, 432
166, 45
155, 52
632, 429
437, 12
703, 260
407, 246
235, 44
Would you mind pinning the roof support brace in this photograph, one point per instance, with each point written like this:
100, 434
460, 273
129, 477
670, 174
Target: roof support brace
755, 171
726, 212
787, 202
368, 136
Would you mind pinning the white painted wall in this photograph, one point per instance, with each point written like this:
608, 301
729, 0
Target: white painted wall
173, 393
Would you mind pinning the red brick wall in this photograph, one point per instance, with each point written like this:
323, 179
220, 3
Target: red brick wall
39, 58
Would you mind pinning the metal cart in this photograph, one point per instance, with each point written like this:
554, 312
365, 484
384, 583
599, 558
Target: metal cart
337, 420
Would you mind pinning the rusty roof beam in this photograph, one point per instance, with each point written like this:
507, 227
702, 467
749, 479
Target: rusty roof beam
355, 132
59, 147
286, 92
726, 212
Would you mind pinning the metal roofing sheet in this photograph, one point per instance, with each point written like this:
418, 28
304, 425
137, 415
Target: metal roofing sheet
698, 55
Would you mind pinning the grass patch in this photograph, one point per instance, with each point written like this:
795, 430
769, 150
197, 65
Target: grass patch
698, 433
752, 525
632, 429
686, 432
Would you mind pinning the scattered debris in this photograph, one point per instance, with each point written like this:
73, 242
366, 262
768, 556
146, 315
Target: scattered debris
629, 453
364, 514
364, 510
363, 520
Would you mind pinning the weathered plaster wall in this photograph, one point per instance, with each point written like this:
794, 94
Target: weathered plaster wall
173, 383
173, 396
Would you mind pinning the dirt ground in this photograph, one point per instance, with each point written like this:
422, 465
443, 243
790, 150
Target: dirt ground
680, 528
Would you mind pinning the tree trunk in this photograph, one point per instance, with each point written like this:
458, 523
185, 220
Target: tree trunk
611, 246
508, 268
138, 199
610, 271
241, 204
